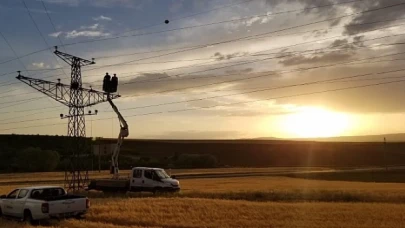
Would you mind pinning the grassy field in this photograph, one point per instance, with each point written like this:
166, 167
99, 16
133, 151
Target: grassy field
261, 201
178, 213
59, 176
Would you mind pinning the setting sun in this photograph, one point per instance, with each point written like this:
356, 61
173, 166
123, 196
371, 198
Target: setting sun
316, 122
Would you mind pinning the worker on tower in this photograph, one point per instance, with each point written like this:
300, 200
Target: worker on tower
107, 83
114, 84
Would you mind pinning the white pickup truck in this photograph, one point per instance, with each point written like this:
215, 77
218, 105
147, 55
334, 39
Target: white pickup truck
41, 203
141, 179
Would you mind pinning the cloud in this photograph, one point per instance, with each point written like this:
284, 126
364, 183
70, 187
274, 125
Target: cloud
73, 3
92, 27
341, 49
95, 30
149, 83
309, 4
251, 21
220, 56
55, 34
240, 71
110, 3
96, 3
102, 18
375, 99
88, 33
323, 58
41, 65
390, 13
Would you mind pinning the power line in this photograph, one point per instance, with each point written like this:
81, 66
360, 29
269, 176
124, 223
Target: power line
31, 99
144, 81
36, 26
53, 25
188, 16
156, 80
264, 89
337, 81
273, 73
28, 110
22, 56
230, 104
41, 125
39, 31
12, 49
209, 24
260, 76
259, 51
271, 98
249, 92
327, 19
20, 102
94, 40
275, 31
258, 37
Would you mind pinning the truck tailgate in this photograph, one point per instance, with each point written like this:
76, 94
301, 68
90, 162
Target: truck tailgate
67, 206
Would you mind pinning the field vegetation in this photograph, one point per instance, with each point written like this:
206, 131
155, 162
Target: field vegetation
254, 201
178, 213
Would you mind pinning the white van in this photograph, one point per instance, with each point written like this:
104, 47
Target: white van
142, 179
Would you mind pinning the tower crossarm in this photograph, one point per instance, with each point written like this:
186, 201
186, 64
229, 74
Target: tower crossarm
70, 59
55, 90
93, 97
61, 92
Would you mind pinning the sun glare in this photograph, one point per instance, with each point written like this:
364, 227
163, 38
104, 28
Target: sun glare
313, 122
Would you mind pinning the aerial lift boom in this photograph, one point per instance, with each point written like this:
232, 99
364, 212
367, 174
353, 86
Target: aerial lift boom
124, 132
110, 86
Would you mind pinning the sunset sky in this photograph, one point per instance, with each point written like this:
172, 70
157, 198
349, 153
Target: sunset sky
219, 69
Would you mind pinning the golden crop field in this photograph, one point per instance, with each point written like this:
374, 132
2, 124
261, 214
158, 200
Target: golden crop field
163, 212
261, 201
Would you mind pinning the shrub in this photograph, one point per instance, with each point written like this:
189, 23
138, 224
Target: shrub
35, 160
195, 161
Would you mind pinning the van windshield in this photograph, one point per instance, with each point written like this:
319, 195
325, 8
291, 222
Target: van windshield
161, 174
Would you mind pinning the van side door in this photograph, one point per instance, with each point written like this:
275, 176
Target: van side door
148, 184
137, 180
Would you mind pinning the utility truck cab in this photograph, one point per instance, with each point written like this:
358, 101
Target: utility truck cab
141, 179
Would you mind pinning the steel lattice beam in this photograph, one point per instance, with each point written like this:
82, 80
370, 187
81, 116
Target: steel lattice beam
61, 92
69, 59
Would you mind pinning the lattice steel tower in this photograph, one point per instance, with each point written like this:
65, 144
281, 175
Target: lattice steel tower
76, 98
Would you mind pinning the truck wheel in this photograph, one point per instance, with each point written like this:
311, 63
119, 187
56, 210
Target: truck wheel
1, 213
28, 218
156, 190
79, 216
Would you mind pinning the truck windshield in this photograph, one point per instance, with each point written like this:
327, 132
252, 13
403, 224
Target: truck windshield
162, 174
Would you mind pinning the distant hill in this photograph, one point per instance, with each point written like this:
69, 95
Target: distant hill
364, 138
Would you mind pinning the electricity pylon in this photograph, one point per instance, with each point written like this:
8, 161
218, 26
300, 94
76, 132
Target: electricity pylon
76, 98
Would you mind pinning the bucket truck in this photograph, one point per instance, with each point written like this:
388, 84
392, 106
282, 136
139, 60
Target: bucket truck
142, 178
